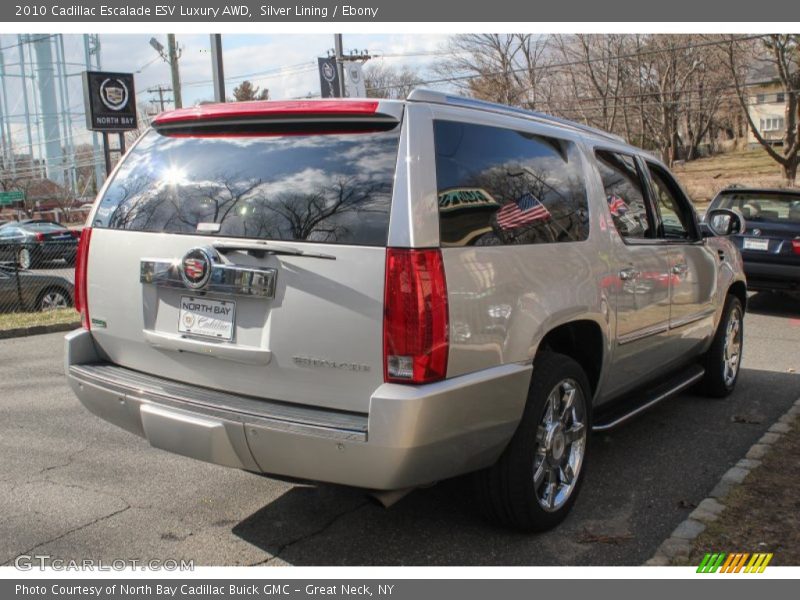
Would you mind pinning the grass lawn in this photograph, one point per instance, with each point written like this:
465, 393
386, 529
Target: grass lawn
704, 177
33, 319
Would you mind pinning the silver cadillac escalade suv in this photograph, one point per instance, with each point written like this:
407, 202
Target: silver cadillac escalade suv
384, 294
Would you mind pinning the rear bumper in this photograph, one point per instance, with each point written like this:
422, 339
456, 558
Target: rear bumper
771, 276
412, 435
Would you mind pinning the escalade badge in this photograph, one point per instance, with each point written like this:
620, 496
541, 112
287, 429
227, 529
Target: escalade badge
195, 268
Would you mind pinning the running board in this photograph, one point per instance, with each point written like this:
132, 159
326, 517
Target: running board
626, 410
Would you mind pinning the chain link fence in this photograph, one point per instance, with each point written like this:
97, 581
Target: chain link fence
37, 279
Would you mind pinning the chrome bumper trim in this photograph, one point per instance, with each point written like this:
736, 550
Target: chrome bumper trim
270, 414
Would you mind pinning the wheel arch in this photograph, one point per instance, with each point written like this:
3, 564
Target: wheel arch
739, 289
584, 341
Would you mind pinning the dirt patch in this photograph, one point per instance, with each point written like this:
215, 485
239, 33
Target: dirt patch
763, 514
704, 177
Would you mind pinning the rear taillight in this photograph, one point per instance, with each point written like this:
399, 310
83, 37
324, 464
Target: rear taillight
415, 321
39, 236
81, 264
796, 246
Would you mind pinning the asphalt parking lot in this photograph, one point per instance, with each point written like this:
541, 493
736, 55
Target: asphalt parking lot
74, 487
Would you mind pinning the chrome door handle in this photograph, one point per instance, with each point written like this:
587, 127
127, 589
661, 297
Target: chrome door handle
628, 274
680, 269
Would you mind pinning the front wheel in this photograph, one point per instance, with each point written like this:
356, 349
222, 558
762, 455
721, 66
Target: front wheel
724, 359
534, 484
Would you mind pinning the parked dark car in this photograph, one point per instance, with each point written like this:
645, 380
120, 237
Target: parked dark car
31, 242
770, 244
33, 291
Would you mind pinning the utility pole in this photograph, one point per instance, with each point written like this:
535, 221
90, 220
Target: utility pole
339, 54
174, 55
159, 89
216, 67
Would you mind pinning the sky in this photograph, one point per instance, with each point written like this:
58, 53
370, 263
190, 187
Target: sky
285, 64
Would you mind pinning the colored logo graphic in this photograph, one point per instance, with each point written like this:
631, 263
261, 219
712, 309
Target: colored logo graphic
736, 562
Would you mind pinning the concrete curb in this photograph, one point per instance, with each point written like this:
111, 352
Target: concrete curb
37, 330
679, 544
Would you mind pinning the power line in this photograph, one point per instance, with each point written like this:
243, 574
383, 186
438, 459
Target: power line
573, 63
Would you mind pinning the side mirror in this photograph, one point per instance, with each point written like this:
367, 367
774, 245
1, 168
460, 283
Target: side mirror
725, 221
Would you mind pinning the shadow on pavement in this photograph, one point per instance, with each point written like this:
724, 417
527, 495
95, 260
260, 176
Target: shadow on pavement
642, 480
773, 304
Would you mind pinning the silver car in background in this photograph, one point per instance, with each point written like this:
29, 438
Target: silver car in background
384, 294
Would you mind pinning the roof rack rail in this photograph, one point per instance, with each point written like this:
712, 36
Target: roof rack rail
427, 95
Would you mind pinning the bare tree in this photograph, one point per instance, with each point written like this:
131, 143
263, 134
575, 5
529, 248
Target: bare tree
506, 68
595, 77
386, 81
782, 52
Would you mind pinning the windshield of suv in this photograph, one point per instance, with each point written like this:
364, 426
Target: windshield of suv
774, 207
333, 188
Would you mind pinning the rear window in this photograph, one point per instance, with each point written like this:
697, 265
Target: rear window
45, 227
763, 206
502, 186
332, 188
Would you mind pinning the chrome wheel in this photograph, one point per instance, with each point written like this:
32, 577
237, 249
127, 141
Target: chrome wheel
53, 300
732, 349
24, 258
561, 445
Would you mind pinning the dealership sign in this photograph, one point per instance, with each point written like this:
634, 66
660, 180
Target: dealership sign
110, 101
12, 197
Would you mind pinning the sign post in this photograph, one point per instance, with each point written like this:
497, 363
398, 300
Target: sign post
110, 103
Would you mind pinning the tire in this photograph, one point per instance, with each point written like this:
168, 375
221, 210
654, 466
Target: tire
508, 493
53, 298
718, 381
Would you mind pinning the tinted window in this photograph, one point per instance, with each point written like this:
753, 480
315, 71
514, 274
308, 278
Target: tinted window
333, 188
763, 206
622, 183
500, 186
675, 218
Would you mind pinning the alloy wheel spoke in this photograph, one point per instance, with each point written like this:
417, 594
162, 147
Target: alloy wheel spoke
551, 488
567, 475
574, 433
567, 401
539, 473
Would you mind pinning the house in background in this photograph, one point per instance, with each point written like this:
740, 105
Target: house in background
766, 104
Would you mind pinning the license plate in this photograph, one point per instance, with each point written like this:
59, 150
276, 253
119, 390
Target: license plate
207, 318
756, 244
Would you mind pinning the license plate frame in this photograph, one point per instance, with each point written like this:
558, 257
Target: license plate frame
203, 318
755, 244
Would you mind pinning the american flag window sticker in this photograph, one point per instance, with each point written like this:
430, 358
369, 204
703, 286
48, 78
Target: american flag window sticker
525, 210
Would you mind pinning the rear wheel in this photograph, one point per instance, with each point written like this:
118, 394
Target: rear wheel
723, 360
53, 299
534, 484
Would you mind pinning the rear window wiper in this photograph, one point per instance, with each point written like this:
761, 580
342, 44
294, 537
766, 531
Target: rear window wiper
261, 249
